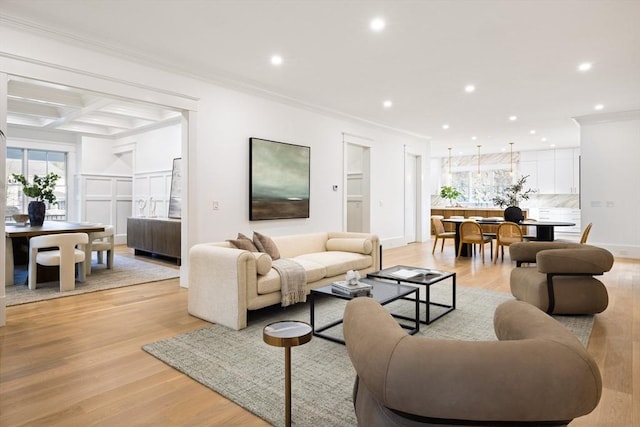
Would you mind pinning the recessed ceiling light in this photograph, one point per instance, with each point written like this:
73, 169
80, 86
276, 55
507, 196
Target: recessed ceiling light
445, 126
387, 104
543, 139
513, 118
598, 107
474, 137
377, 24
469, 88
552, 145
276, 60
532, 131
585, 66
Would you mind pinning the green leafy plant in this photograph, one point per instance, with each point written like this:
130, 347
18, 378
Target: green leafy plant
42, 187
449, 193
514, 194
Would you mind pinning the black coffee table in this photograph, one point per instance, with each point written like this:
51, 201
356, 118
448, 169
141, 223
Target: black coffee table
431, 277
382, 292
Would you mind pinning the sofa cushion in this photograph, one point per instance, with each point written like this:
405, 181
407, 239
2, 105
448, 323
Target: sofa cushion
244, 244
266, 245
362, 246
314, 270
263, 263
269, 283
338, 262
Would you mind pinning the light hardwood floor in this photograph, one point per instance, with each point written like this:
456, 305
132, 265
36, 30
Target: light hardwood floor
78, 361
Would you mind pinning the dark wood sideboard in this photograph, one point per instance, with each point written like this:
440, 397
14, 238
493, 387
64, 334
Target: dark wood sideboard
154, 236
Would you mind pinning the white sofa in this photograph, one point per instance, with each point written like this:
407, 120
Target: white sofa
225, 282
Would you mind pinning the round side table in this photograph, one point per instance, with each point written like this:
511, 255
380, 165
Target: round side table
287, 334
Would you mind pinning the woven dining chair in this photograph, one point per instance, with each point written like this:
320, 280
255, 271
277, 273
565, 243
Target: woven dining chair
585, 233
471, 233
440, 233
508, 233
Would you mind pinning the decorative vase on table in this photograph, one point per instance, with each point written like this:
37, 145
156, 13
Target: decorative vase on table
36, 212
513, 214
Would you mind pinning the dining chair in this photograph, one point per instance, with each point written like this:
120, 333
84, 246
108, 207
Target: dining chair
66, 256
585, 233
101, 242
440, 233
471, 233
508, 233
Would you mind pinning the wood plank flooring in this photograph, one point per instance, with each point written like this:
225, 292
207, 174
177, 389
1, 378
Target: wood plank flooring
78, 361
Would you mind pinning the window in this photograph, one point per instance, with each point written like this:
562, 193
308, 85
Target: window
479, 188
30, 163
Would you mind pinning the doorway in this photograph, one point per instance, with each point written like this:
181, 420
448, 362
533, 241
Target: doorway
412, 198
358, 186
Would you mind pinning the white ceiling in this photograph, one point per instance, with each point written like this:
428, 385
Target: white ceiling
522, 56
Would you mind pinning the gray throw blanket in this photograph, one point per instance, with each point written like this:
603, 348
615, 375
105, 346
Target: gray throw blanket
293, 281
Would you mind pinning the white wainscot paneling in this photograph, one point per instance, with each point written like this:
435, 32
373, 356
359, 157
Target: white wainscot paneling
157, 185
124, 187
98, 211
98, 186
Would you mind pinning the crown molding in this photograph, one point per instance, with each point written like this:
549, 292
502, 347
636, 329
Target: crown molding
618, 116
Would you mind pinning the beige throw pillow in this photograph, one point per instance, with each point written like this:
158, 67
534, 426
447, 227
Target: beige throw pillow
243, 242
266, 245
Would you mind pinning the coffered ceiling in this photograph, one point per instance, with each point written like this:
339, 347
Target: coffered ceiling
522, 56
52, 107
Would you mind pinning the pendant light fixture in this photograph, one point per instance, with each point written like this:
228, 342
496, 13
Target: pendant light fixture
511, 152
479, 158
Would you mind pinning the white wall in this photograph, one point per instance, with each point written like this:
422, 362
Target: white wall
610, 178
217, 164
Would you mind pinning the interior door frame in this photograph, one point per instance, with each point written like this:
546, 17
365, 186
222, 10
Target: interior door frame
419, 191
366, 144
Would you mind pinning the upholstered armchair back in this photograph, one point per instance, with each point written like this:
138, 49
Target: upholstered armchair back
537, 372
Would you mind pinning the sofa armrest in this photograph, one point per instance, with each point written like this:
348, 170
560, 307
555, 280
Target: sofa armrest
220, 280
586, 260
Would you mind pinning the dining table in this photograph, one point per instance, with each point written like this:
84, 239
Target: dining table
15, 230
544, 229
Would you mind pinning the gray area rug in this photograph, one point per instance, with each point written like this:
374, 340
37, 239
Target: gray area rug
126, 271
241, 367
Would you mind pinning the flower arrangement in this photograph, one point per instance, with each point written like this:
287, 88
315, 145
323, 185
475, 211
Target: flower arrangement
514, 194
42, 187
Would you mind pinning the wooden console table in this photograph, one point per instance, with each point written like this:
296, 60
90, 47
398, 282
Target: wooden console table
159, 236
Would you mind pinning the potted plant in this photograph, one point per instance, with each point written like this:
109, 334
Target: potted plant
449, 193
41, 190
513, 195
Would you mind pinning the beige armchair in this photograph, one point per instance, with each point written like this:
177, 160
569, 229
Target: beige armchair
537, 373
65, 255
102, 241
561, 282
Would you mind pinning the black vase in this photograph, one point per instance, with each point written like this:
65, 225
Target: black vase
513, 214
36, 212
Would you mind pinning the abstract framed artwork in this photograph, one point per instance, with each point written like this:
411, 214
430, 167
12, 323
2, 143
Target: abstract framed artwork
279, 180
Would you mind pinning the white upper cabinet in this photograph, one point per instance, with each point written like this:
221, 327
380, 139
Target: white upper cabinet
552, 171
567, 171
